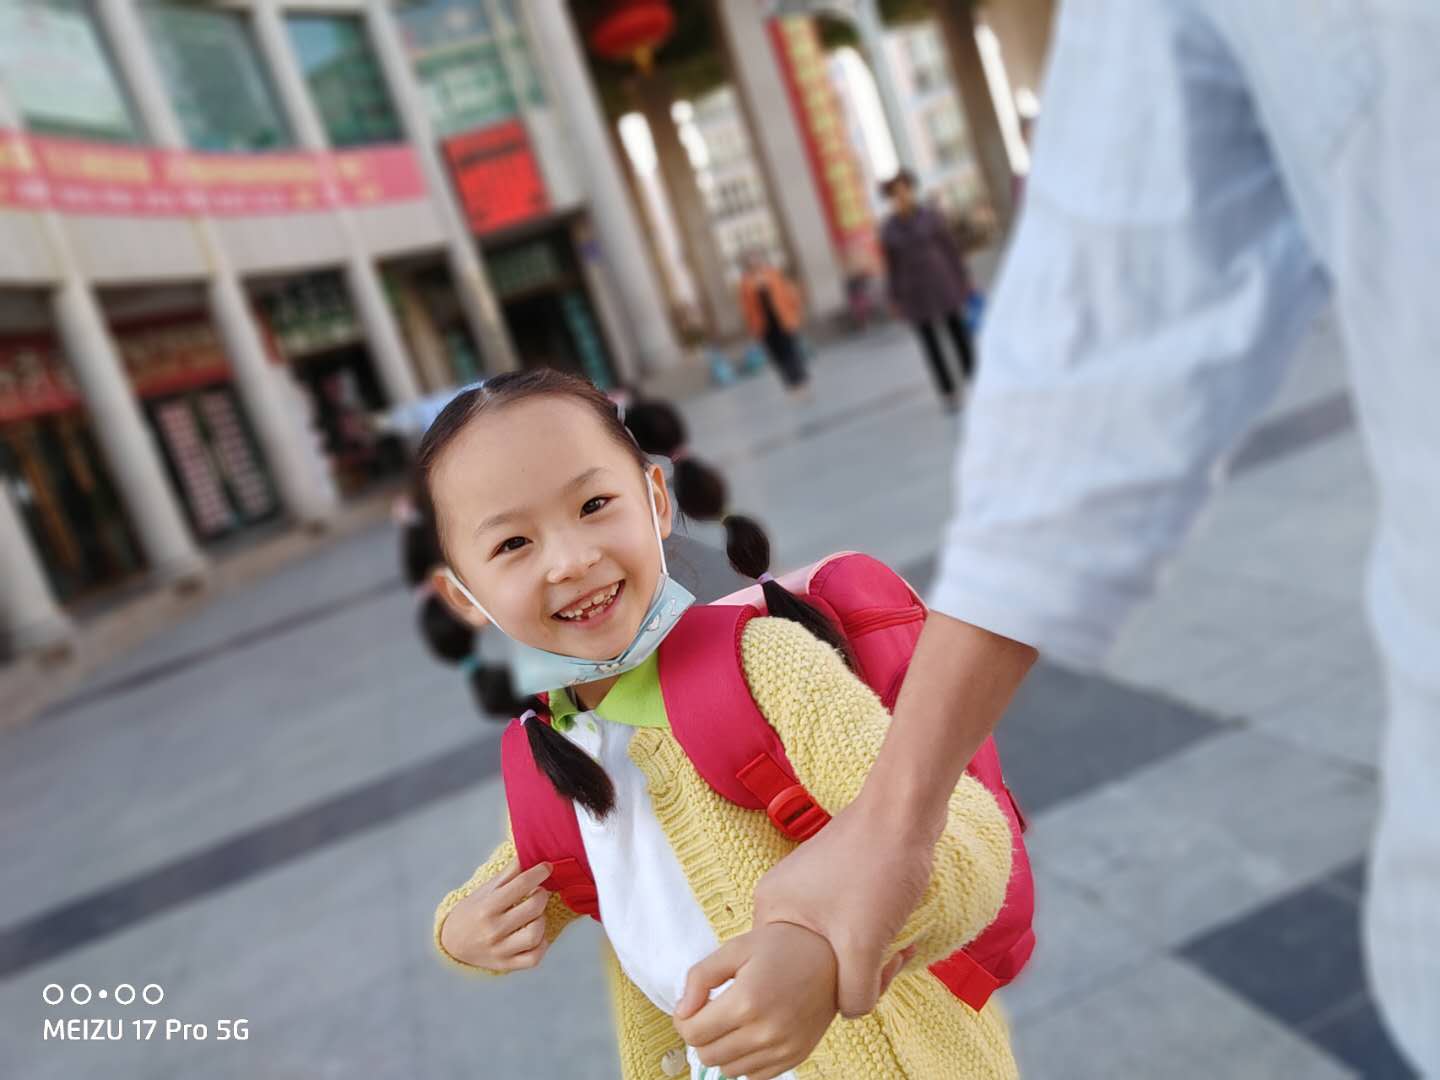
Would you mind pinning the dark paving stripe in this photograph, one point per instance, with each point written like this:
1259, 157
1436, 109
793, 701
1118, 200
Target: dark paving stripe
190, 877
166, 668
1298, 959
1295, 431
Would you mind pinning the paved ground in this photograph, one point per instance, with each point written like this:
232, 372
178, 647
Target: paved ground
257, 810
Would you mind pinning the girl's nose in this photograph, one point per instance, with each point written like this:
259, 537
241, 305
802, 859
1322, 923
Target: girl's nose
571, 562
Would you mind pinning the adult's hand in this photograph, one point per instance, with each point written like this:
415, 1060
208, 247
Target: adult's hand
855, 883
859, 878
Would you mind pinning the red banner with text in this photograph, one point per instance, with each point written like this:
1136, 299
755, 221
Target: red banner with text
77, 177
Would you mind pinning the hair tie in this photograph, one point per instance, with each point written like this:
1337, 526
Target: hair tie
527, 716
767, 576
470, 664
680, 453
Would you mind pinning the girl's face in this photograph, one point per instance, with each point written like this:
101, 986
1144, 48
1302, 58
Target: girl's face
547, 521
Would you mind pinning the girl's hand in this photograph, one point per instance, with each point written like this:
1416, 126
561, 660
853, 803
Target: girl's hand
776, 1011
501, 925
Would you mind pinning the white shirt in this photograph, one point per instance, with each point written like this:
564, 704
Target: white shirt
653, 921
655, 925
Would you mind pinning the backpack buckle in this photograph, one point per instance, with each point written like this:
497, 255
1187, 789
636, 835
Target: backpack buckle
796, 814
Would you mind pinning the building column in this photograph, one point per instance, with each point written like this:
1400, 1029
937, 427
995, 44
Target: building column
1023, 30
433, 364
776, 135
30, 619
302, 480
477, 298
871, 29
618, 225
987, 140
654, 98
130, 449
382, 334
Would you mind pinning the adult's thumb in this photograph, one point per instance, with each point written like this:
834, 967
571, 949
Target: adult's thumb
715, 970
859, 988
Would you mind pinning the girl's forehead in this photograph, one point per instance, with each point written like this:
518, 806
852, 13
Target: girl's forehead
529, 446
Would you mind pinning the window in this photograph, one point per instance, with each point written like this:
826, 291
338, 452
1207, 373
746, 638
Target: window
220, 89
927, 59
345, 79
58, 73
946, 129
474, 73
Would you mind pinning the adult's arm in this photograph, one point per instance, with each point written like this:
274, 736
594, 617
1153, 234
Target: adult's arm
1155, 288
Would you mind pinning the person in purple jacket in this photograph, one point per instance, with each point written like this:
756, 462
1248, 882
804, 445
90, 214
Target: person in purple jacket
928, 282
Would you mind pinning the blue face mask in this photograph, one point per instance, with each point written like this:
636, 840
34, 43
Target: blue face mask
533, 671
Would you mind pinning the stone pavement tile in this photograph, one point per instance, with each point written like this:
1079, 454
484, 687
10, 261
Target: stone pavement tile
1357, 1035
1299, 959
1067, 732
1166, 1020
1208, 834
1079, 946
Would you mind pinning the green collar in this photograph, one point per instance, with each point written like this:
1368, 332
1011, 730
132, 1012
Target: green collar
635, 699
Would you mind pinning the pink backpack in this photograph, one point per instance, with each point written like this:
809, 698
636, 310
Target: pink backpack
714, 718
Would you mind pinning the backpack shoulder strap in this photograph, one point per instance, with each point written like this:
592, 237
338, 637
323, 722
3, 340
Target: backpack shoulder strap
544, 825
716, 722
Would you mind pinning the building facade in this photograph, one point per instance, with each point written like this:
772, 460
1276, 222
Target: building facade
230, 233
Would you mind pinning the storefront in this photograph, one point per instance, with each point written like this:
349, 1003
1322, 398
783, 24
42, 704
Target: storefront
547, 308
178, 368
313, 327
56, 475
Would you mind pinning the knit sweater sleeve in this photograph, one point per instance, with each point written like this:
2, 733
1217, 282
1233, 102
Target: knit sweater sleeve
557, 915
832, 726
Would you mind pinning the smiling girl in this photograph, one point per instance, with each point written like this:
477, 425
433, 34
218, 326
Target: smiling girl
551, 521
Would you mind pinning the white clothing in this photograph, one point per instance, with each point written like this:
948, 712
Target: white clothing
1206, 171
655, 925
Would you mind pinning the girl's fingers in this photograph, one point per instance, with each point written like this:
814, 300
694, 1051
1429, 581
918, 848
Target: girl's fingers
526, 960
519, 886
529, 910
738, 1045
718, 1019
528, 937
762, 1065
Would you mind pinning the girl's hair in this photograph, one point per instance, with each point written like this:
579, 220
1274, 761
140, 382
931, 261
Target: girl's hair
649, 427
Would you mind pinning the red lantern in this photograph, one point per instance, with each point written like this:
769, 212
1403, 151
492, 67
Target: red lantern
632, 30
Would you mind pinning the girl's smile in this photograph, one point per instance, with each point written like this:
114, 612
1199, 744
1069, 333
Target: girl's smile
593, 608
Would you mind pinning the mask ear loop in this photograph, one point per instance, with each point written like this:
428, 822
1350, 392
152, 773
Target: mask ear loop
655, 520
455, 580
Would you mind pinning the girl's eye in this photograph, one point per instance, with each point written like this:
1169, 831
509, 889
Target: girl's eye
595, 504
515, 543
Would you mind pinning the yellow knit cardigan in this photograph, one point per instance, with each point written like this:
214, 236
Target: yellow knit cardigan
832, 726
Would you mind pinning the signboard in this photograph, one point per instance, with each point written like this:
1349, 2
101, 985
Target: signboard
33, 378
79, 177
497, 177
173, 353
833, 162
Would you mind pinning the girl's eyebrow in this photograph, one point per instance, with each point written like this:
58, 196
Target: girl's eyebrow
501, 518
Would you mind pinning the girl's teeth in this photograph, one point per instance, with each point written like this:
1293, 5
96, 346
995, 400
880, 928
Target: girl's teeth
595, 601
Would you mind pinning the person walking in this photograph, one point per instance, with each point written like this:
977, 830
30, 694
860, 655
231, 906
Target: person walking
927, 280
773, 312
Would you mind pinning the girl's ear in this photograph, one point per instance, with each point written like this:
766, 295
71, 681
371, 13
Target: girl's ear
448, 590
664, 506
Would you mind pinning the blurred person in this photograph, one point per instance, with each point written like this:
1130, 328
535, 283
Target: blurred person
557, 541
773, 313
927, 280
1205, 177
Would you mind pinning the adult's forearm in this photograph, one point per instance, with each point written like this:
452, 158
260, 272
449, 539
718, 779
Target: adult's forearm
961, 681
